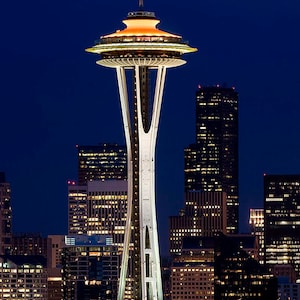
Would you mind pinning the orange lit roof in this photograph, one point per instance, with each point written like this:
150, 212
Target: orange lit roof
141, 27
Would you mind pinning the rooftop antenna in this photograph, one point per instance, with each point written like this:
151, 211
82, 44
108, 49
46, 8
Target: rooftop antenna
141, 3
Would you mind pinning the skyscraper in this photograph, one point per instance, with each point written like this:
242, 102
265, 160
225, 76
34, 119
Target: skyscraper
211, 164
101, 162
5, 215
282, 220
141, 48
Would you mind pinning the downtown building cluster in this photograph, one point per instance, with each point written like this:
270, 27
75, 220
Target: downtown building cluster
208, 259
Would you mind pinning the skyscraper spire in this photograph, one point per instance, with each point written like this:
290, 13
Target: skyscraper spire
141, 3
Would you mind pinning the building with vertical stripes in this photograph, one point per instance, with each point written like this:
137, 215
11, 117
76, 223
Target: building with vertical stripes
211, 163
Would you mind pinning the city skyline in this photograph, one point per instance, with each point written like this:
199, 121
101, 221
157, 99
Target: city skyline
55, 86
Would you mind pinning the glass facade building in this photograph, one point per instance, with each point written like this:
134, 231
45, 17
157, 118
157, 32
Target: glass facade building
211, 163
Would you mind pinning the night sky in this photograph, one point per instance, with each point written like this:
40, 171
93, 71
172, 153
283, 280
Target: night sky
53, 95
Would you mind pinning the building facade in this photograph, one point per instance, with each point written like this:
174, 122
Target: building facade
238, 274
99, 207
192, 272
90, 268
5, 216
282, 220
23, 277
211, 163
256, 221
101, 162
204, 214
77, 208
55, 245
29, 244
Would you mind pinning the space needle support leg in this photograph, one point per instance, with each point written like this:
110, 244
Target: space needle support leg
127, 130
150, 261
160, 81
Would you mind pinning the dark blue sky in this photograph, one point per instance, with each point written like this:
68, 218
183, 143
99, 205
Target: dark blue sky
53, 95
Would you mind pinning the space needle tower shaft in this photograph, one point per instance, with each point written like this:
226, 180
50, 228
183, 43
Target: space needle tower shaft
141, 49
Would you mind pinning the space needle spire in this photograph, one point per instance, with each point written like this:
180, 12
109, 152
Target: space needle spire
141, 49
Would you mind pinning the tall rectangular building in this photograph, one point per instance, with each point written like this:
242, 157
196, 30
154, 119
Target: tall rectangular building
211, 164
101, 162
282, 220
77, 208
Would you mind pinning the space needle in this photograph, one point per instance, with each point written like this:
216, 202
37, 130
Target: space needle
141, 53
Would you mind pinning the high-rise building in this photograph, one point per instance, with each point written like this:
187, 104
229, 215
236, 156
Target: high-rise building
100, 207
107, 208
204, 215
90, 268
101, 162
77, 208
5, 215
282, 220
145, 51
23, 277
211, 163
256, 222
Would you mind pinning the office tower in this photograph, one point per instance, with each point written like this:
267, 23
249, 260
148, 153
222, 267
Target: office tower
256, 222
107, 204
77, 208
282, 225
29, 244
5, 215
204, 214
145, 52
101, 162
23, 277
100, 207
237, 274
90, 268
211, 163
